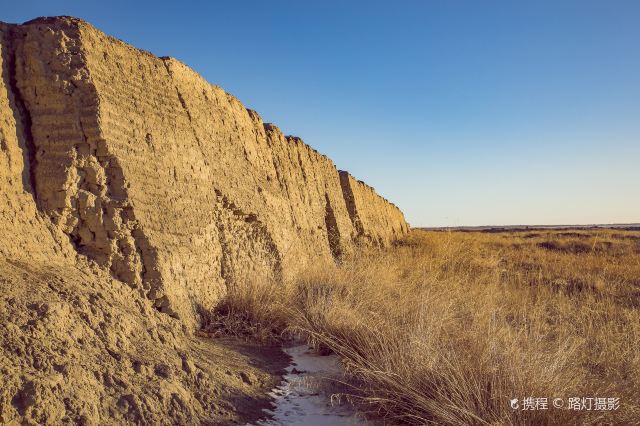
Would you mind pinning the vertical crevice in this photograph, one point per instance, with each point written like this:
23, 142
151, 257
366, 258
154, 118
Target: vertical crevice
349, 200
21, 113
333, 233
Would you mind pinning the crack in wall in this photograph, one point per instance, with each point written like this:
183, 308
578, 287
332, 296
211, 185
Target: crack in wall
333, 233
349, 200
21, 114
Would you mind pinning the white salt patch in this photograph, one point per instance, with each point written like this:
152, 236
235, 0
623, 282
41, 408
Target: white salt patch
303, 396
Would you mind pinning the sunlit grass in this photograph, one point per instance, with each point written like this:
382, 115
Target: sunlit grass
448, 327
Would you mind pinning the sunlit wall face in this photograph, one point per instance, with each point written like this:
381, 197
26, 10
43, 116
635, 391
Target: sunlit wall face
462, 113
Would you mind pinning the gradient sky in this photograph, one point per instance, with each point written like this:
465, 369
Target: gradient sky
460, 112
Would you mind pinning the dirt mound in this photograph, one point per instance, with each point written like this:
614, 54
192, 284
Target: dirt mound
80, 347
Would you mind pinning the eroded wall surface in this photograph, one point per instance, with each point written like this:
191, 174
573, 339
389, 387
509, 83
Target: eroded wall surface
375, 220
163, 179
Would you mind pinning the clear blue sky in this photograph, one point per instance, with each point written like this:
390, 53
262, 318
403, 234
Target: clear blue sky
461, 112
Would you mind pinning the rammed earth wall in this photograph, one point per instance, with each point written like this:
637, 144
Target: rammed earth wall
163, 179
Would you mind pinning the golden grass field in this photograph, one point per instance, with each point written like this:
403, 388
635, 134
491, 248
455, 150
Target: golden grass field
447, 327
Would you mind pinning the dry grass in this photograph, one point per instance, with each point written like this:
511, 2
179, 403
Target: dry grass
446, 328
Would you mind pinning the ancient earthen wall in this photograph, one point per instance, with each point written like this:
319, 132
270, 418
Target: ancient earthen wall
164, 179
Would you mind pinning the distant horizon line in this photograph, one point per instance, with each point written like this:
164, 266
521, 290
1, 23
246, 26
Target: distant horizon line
631, 225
